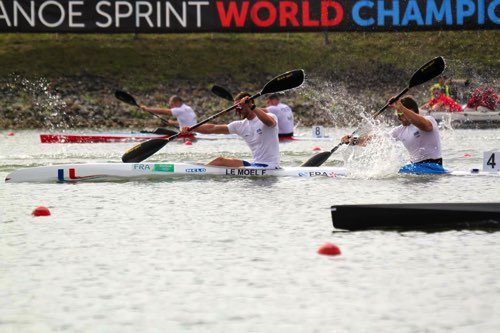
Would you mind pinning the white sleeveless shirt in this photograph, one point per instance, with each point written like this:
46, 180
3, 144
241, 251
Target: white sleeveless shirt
261, 139
185, 115
420, 144
285, 117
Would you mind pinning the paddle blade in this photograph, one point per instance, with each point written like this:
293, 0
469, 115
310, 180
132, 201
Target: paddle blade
164, 131
221, 92
285, 81
317, 159
143, 150
428, 71
124, 97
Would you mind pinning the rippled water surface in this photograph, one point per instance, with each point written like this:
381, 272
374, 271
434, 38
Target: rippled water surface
240, 254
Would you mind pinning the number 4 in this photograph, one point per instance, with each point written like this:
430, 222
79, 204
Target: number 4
491, 161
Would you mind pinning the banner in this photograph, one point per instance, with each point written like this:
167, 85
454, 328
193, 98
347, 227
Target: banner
183, 16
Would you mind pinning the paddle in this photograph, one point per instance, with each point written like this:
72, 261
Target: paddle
127, 98
427, 72
221, 92
285, 81
161, 131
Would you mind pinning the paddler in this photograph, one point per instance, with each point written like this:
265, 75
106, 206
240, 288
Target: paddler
181, 111
257, 127
419, 135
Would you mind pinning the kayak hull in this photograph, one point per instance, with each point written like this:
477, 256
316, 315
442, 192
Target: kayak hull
416, 216
468, 119
135, 171
139, 137
100, 138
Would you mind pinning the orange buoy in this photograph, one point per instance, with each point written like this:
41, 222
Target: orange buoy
329, 249
41, 211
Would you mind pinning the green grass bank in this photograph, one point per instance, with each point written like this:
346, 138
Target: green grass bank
68, 80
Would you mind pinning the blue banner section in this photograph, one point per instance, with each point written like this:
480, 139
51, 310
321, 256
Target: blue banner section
179, 16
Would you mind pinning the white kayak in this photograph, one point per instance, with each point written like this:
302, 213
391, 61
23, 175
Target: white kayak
468, 119
149, 171
134, 171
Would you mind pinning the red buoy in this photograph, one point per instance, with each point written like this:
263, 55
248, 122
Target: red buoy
41, 211
11, 134
316, 148
329, 249
189, 143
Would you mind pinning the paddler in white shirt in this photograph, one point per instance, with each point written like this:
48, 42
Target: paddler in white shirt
182, 112
419, 135
284, 114
258, 128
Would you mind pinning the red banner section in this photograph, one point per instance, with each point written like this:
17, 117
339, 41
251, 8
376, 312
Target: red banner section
179, 16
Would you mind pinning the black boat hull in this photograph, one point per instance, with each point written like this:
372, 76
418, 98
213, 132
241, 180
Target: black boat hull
416, 216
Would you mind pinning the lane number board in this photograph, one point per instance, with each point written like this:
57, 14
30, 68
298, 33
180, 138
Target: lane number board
491, 161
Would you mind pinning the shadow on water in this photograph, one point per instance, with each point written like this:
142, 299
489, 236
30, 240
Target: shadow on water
409, 179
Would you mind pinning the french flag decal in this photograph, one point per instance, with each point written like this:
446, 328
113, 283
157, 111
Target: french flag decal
72, 175
60, 175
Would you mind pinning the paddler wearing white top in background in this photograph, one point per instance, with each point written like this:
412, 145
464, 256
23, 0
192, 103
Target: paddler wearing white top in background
182, 112
284, 114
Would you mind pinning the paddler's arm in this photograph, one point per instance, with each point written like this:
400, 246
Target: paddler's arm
356, 140
421, 122
157, 110
261, 113
265, 117
206, 129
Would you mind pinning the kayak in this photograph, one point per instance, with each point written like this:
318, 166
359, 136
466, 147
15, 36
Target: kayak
468, 119
147, 171
138, 137
416, 216
93, 138
123, 137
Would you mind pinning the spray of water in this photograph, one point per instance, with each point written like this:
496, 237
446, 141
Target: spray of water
382, 157
45, 106
332, 103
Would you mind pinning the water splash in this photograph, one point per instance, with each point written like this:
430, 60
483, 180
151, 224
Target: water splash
381, 158
332, 103
35, 99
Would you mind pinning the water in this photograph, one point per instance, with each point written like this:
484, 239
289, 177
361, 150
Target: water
240, 255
